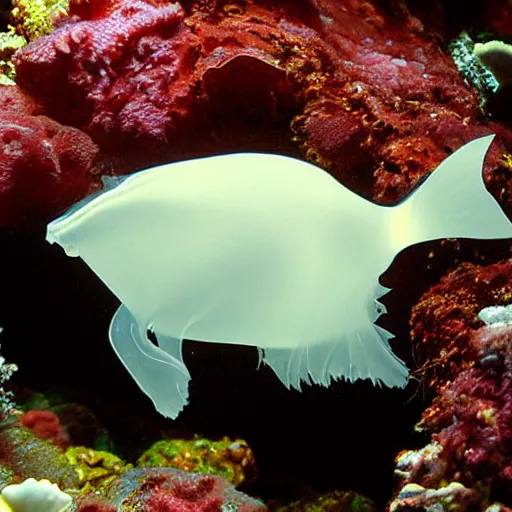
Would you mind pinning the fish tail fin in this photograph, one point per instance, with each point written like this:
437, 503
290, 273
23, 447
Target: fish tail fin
452, 203
363, 354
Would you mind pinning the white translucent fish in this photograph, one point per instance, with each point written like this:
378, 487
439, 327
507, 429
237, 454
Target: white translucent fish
263, 250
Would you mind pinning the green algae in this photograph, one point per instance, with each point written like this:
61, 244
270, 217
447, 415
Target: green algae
35, 18
471, 67
337, 501
29, 19
7, 476
30, 456
95, 469
232, 460
9, 43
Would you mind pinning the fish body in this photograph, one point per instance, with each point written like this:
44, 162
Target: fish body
262, 250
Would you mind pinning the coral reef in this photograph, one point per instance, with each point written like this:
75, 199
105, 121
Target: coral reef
153, 98
497, 56
9, 43
464, 339
34, 18
233, 460
77, 424
443, 319
364, 89
14, 101
472, 415
379, 107
337, 501
452, 497
462, 51
95, 469
44, 167
30, 19
170, 490
46, 425
29, 456
7, 404
101, 481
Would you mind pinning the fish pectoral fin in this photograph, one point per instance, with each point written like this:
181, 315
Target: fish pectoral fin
161, 376
364, 355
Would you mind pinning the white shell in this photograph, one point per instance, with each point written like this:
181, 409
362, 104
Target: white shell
36, 496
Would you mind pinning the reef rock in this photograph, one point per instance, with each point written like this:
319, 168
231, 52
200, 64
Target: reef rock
462, 328
170, 490
364, 91
44, 167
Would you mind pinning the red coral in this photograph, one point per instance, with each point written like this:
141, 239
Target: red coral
186, 497
94, 504
44, 167
471, 417
147, 83
46, 425
173, 490
445, 317
204, 494
396, 102
14, 100
368, 92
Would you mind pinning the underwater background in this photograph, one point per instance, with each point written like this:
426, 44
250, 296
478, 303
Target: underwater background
378, 93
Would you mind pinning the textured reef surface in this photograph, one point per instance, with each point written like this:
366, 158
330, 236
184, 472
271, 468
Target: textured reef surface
365, 91
378, 93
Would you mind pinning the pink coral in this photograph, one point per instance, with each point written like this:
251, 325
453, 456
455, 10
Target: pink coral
472, 415
186, 496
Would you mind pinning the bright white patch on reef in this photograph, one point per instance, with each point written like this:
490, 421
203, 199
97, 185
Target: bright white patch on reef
36, 496
496, 316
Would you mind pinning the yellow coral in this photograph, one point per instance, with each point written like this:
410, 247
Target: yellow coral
34, 18
4, 506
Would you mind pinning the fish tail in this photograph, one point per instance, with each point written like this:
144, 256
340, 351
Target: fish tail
452, 203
